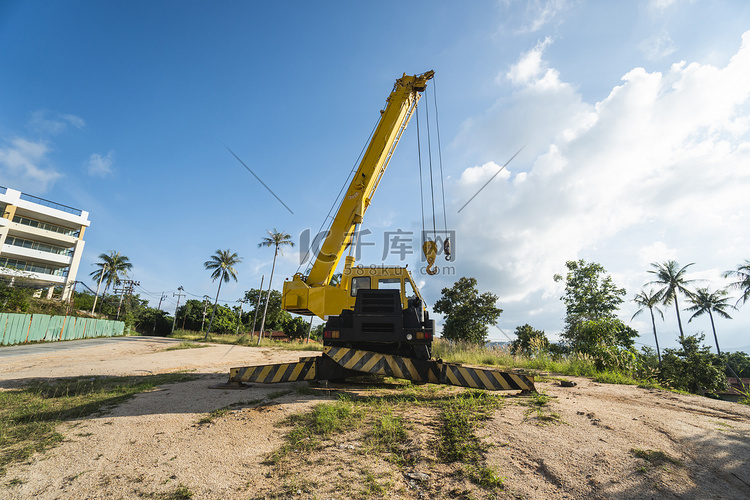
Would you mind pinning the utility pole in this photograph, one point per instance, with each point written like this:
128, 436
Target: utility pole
309, 330
178, 294
260, 294
206, 301
71, 300
127, 288
158, 309
239, 316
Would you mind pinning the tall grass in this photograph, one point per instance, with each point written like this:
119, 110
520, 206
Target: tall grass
576, 364
246, 340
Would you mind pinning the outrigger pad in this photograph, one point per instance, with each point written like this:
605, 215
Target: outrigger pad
304, 369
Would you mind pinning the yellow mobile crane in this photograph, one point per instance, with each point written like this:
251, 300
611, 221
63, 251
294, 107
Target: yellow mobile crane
376, 321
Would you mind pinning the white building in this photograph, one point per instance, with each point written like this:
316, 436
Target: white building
41, 241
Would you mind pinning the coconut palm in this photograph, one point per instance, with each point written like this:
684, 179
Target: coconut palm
673, 281
650, 300
274, 239
705, 301
222, 264
742, 273
112, 266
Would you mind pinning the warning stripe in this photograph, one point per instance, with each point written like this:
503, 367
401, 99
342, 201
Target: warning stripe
485, 379
271, 374
384, 364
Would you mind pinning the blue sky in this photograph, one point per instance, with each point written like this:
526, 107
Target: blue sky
633, 118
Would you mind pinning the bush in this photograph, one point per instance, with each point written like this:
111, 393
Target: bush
693, 368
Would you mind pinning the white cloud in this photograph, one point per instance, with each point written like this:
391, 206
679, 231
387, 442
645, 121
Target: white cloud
657, 170
42, 122
530, 65
542, 12
101, 166
22, 166
657, 47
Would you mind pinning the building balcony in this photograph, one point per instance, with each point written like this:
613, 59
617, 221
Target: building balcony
41, 234
34, 255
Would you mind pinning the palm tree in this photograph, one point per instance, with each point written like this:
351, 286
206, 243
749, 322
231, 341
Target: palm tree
705, 301
674, 282
112, 266
274, 239
743, 281
650, 300
222, 264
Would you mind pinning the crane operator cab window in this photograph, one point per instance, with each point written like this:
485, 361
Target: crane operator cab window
359, 282
389, 284
409, 290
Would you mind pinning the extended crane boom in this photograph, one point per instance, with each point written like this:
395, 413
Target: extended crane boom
313, 294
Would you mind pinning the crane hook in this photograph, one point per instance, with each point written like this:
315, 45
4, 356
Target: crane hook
447, 249
430, 252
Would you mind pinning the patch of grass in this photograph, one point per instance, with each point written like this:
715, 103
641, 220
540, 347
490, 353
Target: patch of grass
458, 442
29, 415
537, 403
654, 457
388, 434
186, 345
181, 493
371, 484
325, 420
483, 476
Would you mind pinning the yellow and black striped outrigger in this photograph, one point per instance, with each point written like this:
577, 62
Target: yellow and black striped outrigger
341, 362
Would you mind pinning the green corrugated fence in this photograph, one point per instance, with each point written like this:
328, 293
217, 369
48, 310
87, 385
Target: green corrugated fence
20, 328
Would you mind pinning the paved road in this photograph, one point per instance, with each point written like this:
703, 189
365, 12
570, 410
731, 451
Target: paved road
51, 347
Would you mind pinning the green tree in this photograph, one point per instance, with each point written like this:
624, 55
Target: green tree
14, 299
152, 321
467, 313
591, 301
704, 301
277, 240
190, 317
672, 279
742, 273
598, 335
276, 317
528, 339
650, 300
693, 368
112, 266
317, 331
222, 264
740, 362
296, 327
190, 314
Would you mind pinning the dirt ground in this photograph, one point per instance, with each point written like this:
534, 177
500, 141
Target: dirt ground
600, 440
